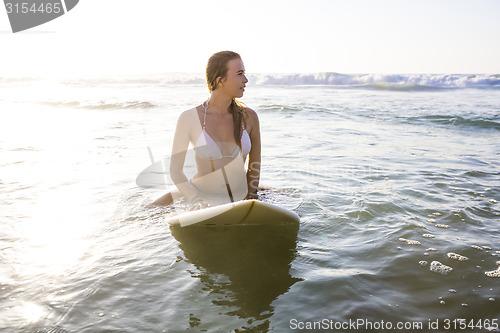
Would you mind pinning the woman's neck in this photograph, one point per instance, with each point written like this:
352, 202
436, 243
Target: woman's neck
219, 102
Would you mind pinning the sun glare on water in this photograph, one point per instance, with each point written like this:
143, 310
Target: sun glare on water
55, 238
32, 312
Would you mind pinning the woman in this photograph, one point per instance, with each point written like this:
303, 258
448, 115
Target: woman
223, 132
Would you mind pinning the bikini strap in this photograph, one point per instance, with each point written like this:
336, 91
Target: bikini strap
205, 115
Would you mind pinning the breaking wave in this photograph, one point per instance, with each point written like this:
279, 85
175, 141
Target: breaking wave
398, 82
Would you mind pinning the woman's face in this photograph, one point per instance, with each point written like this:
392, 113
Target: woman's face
234, 82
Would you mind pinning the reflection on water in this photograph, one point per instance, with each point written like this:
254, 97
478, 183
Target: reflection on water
245, 267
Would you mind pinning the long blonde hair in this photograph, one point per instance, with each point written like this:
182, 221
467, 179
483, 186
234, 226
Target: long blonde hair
217, 67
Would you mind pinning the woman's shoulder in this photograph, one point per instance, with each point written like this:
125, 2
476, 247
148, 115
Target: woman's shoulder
189, 112
189, 115
251, 120
250, 114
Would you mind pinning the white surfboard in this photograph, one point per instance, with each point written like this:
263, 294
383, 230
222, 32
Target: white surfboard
243, 212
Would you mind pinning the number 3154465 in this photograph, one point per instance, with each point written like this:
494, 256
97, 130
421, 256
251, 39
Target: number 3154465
25, 8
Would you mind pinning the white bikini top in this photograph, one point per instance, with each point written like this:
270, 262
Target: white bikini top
207, 149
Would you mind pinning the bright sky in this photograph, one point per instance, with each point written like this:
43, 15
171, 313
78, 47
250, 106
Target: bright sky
277, 36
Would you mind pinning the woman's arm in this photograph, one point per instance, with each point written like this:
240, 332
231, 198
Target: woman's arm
254, 157
179, 149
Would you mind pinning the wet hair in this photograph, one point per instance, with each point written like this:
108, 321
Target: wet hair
217, 67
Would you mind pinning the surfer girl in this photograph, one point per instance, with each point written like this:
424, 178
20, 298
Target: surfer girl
224, 133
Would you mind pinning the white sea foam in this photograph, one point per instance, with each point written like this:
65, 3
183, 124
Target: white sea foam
376, 81
457, 256
440, 268
381, 80
494, 274
409, 241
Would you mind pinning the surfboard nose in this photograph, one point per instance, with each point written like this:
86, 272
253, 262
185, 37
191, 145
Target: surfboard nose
26, 14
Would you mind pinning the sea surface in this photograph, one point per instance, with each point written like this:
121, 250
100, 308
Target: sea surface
396, 179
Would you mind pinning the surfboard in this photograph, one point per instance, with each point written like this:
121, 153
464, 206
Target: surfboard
245, 212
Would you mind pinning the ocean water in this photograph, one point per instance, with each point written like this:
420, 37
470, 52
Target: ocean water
396, 180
